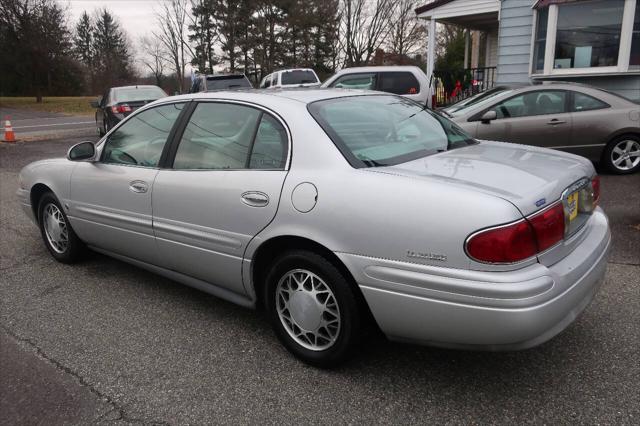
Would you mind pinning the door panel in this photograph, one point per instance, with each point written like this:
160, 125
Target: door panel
202, 224
538, 118
110, 200
224, 188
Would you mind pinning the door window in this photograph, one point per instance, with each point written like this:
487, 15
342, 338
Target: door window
224, 136
532, 103
140, 140
356, 81
270, 146
400, 83
582, 102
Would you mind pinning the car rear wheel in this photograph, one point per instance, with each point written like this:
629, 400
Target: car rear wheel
313, 309
57, 234
622, 155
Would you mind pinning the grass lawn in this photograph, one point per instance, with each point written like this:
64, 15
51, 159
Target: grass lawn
73, 105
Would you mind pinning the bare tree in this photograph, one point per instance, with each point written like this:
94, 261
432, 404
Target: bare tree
172, 21
408, 34
365, 27
153, 57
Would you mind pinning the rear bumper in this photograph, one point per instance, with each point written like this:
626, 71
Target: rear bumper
484, 310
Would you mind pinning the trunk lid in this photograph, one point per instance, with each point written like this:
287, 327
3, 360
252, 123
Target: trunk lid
529, 177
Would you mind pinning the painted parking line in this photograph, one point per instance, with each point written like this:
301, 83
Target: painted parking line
49, 125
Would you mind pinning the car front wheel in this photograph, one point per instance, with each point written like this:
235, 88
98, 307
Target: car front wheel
622, 155
59, 238
313, 309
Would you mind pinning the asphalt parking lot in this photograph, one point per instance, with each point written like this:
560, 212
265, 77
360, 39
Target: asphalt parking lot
105, 342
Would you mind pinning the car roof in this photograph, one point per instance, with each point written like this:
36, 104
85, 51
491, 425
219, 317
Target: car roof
223, 76
382, 68
299, 95
139, 86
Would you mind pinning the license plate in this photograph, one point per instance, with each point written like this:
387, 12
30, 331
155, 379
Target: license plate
572, 201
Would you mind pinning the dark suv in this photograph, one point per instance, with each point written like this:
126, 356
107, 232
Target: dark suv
209, 83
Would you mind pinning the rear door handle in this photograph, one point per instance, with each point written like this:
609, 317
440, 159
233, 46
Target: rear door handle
255, 198
555, 121
138, 186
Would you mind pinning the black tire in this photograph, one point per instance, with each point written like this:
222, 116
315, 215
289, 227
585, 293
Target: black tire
70, 252
612, 153
348, 333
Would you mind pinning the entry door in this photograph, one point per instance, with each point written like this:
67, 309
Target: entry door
223, 189
538, 118
110, 200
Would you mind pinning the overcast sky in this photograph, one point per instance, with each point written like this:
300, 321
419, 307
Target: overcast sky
135, 16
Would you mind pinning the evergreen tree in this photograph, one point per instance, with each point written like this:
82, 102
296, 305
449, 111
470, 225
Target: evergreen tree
112, 58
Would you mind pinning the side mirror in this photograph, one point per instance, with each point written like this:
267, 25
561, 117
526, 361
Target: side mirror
82, 152
96, 103
488, 116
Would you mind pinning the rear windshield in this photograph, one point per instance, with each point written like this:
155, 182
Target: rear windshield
227, 82
299, 77
373, 131
138, 94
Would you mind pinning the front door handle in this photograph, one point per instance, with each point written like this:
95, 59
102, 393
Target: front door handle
555, 121
138, 186
255, 198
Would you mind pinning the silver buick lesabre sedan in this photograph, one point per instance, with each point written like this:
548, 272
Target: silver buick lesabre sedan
330, 208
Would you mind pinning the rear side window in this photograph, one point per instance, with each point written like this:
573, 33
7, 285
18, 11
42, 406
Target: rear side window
399, 83
140, 141
356, 81
582, 102
298, 77
223, 136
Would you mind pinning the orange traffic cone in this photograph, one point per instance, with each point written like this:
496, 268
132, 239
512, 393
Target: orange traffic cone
9, 136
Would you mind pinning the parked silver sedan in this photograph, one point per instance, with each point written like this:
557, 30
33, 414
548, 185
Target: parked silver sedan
331, 208
583, 120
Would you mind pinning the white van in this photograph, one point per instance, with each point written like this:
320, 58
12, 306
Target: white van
408, 81
295, 77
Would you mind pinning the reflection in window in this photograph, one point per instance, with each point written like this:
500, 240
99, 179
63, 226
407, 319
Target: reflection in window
541, 40
356, 81
588, 34
218, 136
634, 60
582, 102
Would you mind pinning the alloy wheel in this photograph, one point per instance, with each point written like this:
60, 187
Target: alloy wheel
308, 310
626, 155
55, 228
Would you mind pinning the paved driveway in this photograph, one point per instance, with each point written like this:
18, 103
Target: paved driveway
103, 341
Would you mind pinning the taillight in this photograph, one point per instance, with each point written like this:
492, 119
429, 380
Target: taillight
505, 244
120, 109
548, 226
595, 186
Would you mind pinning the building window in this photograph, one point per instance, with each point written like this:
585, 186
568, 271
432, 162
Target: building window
540, 40
634, 59
574, 37
588, 34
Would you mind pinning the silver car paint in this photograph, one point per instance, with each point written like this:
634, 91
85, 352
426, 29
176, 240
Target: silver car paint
374, 215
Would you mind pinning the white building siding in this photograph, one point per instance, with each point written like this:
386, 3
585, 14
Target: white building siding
514, 43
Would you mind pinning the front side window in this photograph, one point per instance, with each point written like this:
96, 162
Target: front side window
582, 102
399, 83
588, 34
140, 140
532, 103
356, 81
380, 130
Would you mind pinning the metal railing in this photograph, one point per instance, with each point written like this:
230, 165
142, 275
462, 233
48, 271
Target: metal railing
451, 86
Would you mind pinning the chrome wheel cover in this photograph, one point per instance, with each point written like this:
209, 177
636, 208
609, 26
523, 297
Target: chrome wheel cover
308, 310
55, 228
626, 155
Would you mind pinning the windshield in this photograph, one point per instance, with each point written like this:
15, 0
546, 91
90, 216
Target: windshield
139, 94
227, 82
374, 131
474, 99
299, 77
